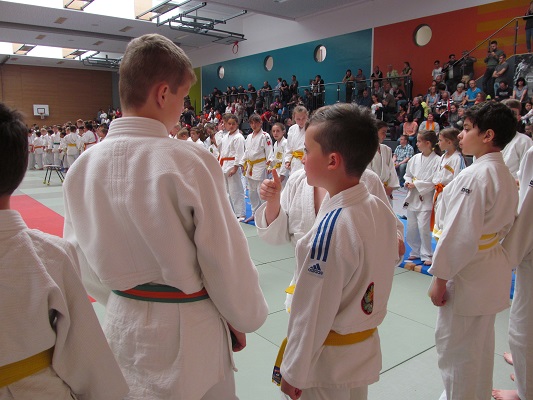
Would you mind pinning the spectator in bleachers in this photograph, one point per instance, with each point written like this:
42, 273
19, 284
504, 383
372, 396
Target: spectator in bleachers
466, 64
437, 70
410, 128
500, 71
377, 75
365, 100
251, 92
432, 98
349, 80
402, 154
503, 92
376, 106
471, 93
520, 91
393, 76
429, 125
452, 72
399, 96
293, 87
360, 80
399, 118
458, 97
407, 73
480, 98
377, 89
491, 60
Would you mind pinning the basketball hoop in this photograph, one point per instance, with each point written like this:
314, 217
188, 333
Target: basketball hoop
41, 113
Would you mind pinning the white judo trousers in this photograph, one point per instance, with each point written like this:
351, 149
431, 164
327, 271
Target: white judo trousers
519, 244
465, 348
478, 270
419, 203
236, 192
253, 193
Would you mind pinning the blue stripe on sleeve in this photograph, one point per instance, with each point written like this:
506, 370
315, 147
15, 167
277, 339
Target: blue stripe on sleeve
323, 234
330, 233
316, 237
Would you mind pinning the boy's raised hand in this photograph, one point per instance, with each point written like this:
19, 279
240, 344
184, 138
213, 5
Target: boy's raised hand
271, 188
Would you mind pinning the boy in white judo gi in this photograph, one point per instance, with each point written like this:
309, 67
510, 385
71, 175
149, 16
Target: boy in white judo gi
258, 150
472, 271
140, 225
343, 279
53, 347
519, 245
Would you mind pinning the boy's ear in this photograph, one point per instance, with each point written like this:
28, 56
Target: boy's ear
161, 91
488, 136
335, 160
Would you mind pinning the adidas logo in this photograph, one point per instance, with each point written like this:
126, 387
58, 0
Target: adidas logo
315, 269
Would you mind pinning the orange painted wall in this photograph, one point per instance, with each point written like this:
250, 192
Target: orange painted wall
452, 33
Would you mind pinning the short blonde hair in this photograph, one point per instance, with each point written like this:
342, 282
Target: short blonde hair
149, 60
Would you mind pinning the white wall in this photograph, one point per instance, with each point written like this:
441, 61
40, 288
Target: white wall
266, 33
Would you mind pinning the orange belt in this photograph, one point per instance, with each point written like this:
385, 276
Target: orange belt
439, 187
226, 159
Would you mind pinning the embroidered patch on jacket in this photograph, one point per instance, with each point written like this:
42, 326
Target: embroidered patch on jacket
367, 302
315, 269
466, 191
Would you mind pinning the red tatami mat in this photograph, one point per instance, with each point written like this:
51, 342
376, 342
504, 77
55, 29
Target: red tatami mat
38, 216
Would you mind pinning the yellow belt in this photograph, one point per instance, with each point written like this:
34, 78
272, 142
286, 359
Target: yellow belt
492, 237
298, 154
251, 163
333, 339
18, 370
71, 145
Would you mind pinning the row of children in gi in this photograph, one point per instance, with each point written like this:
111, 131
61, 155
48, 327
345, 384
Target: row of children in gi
54, 147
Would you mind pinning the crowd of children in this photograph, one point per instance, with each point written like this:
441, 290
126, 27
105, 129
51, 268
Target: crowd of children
326, 188
61, 145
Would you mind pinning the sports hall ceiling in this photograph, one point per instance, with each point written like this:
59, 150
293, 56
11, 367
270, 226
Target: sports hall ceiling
46, 24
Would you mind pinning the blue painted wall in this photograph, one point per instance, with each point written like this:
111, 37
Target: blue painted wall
353, 51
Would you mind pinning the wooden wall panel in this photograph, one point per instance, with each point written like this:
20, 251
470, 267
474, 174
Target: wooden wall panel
70, 93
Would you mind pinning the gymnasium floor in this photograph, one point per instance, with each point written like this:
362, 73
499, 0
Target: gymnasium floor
410, 369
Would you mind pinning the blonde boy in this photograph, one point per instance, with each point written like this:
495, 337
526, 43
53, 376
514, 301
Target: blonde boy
472, 272
258, 150
170, 303
343, 278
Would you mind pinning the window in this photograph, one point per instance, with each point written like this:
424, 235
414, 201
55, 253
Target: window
220, 72
422, 35
320, 53
269, 63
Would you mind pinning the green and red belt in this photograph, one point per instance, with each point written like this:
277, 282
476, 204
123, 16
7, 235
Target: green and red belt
161, 294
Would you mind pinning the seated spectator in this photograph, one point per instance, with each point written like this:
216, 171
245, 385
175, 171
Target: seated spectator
365, 100
429, 125
377, 89
503, 92
445, 99
432, 97
410, 129
453, 116
402, 154
528, 113
458, 97
480, 98
520, 91
376, 106
399, 118
416, 110
471, 93
441, 116
399, 95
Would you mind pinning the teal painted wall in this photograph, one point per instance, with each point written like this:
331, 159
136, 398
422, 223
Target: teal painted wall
350, 51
